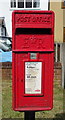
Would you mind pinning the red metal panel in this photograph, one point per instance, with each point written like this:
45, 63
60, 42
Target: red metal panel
27, 21
32, 32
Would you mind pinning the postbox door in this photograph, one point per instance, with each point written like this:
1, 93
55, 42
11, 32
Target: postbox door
29, 93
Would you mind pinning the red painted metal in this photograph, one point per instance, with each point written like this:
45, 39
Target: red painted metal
32, 32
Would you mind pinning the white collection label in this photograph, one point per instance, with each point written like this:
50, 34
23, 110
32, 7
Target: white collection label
33, 73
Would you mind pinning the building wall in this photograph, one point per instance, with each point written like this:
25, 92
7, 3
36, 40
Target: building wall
57, 74
59, 34
5, 12
56, 7
6, 70
64, 18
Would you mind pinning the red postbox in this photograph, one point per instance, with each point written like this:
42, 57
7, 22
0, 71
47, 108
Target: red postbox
33, 60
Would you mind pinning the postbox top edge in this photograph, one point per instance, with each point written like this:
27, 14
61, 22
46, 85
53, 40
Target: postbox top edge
33, 11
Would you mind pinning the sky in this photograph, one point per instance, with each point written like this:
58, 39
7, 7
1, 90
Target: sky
5, 56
